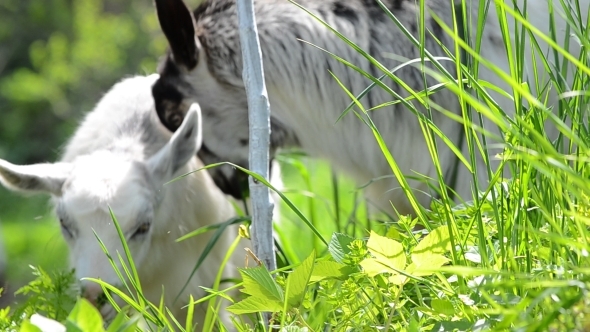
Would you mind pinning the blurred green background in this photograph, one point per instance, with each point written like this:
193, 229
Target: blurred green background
57, 58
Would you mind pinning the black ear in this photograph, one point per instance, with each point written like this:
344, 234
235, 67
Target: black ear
168, 99
178, 25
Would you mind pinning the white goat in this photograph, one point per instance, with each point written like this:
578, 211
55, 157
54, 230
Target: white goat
205, 65
120, 158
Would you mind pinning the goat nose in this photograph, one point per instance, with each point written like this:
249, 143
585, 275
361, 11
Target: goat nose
92, 292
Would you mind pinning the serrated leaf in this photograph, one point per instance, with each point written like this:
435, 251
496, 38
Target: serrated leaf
444, 307
84, 317
258, 282
254, 304
426, 265
338, 246
373, 267
398, 279
297, 282
329, 269
387, 251
436, 242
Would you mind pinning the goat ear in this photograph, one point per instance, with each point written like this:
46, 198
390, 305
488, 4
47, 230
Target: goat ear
178, 25
38, 178
183, 146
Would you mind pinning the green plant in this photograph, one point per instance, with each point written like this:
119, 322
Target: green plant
52, 295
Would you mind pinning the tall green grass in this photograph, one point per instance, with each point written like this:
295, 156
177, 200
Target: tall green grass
518, 249
518, 253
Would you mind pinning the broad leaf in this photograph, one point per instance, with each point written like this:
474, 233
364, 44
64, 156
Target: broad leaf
258, 282
84, 317
373, 267
398, 279
255, 304
297, 282
123, 324
387, 251
329, 269
338, 246
444, 307
393, 234
27, 326
426, 265
436, 242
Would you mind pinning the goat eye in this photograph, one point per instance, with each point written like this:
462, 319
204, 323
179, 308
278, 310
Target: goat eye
142, 229
64, 229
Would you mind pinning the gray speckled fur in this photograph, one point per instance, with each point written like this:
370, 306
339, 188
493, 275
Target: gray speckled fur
305, 99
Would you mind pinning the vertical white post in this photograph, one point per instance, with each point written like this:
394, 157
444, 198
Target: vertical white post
259, 118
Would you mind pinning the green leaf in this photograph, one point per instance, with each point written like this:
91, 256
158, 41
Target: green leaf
389, 257
329, 269
297, 282
123, 324
84, 317
338, 246
437, 242
294, 328
426, 264
444, 307
373, 267
393, 234
459, 325
414, 326
258, 282
29, 327
255, 304
387, 251
398, 279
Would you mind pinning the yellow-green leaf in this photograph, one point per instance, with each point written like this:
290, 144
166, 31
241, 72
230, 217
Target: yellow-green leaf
398, 279
393, 234
387, 251
329, 269
27, 326
426, 264
373, 267
444, 307
437, 242
297, 282
84, 317
255, 304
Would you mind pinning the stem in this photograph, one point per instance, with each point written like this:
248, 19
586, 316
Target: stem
259, 119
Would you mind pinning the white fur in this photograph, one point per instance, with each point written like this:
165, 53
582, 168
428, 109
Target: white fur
120, 158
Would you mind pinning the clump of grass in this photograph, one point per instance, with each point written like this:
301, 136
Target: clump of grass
51, 295
518, 253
